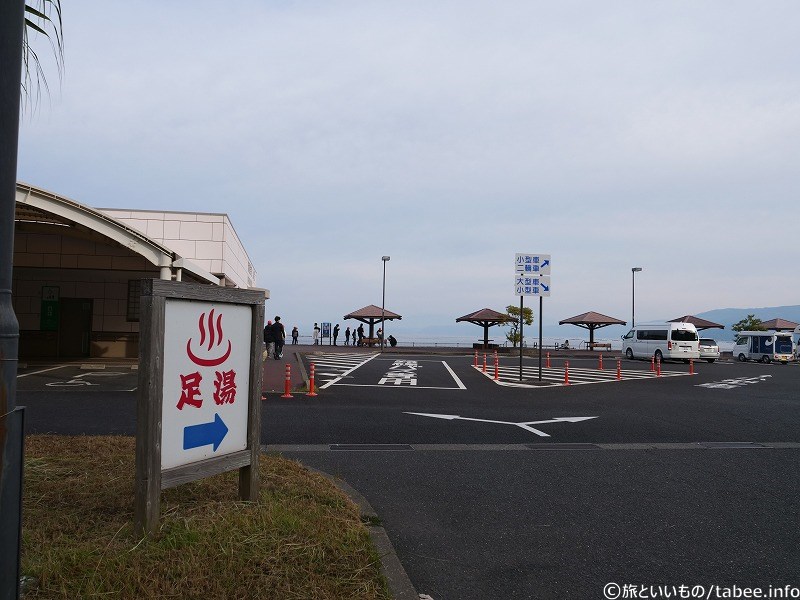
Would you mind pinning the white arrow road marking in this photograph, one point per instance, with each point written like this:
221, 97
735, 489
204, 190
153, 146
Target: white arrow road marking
526, 425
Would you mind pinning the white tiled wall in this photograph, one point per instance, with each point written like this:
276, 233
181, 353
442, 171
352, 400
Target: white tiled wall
208, 240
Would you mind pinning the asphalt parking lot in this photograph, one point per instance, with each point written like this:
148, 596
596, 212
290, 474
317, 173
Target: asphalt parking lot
501, 489
516, 490
85, 377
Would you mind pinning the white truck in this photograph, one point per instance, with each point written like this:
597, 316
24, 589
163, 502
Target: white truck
765, 346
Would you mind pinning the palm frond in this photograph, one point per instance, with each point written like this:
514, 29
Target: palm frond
42, 17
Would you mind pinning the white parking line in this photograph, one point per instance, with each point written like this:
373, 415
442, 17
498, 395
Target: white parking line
458, 381
398, 387
43, 371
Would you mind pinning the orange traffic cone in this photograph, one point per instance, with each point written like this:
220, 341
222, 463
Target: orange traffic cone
287, 386
311, 391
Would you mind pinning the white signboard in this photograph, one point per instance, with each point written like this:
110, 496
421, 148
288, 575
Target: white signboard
206, 380
532, 264
526, 285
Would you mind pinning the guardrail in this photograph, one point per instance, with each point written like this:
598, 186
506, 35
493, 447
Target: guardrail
307, 340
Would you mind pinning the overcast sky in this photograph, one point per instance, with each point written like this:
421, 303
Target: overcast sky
449, 136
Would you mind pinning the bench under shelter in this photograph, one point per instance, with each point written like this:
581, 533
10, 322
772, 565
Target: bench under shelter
592, 320
370, 315
485, 317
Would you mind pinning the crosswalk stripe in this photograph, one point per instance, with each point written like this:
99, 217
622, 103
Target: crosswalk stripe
551, 376
337, 366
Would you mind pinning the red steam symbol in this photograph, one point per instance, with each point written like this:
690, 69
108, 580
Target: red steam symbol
214, 339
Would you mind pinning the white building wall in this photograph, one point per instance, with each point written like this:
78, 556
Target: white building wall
206, 239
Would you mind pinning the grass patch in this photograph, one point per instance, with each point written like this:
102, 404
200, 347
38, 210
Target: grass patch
304, 540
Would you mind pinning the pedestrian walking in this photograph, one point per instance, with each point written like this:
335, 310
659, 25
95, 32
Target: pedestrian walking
335, 334
279, 335
316, 334
360, 332
295, 335
347, 336
269, 338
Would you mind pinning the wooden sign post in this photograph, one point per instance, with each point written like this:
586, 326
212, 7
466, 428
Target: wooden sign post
199, 396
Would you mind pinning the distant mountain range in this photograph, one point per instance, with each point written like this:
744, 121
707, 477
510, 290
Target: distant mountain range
730, 316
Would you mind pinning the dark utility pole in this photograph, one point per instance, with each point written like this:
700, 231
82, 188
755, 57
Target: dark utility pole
12, 19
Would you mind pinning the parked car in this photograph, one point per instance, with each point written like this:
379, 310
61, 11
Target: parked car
709, 349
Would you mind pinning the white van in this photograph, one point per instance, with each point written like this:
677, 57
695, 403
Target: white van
677, 341
765, 346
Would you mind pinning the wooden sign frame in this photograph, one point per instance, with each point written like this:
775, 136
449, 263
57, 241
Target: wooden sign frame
150, 478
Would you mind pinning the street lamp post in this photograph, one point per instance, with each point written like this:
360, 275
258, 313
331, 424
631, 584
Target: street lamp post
634, 270
383, 303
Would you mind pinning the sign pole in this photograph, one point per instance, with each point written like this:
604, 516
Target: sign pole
521, 320
531, 278
540, 338
147, 507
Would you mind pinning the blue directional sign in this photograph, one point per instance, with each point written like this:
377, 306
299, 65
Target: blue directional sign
532, 264
205, 434
528, 285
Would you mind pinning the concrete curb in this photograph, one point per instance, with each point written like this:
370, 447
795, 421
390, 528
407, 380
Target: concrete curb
399, 583
303, 375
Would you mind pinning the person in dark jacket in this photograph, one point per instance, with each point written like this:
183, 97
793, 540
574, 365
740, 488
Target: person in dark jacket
335, 334
279, 336
269, 338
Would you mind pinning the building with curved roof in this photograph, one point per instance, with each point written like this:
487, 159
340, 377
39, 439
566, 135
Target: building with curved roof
78, 270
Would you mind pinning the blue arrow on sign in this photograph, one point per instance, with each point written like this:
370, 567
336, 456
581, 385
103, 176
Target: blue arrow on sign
545, 263
196, 436
546, 288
